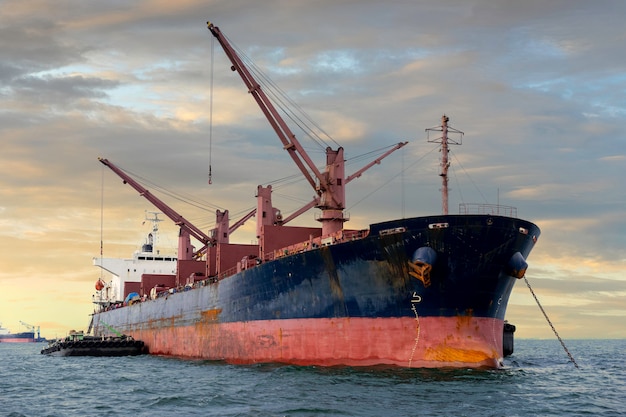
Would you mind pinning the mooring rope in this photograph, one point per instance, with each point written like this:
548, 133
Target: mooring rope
550, 323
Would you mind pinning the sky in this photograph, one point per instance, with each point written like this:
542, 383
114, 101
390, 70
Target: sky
537, 87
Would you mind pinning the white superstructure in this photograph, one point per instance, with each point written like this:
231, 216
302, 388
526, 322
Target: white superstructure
123, 270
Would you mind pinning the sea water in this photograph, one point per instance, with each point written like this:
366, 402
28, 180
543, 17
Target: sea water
539, 379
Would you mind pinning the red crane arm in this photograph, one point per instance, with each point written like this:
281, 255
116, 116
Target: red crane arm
374, 162
241, 221
286, 136
301, 210
167, 210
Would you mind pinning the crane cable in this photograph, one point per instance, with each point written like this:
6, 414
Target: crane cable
211, 106
101, 221
283, 102
550, 323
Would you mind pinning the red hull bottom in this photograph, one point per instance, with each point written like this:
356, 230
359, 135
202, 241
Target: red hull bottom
429, 342
17, 340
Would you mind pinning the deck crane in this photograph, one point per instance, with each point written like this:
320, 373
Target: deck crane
329, 185
34, 329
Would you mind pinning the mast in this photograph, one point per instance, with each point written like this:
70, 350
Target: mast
154, 220
444, 140
329, 185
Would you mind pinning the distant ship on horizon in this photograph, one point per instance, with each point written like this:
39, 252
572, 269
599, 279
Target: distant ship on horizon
23, 337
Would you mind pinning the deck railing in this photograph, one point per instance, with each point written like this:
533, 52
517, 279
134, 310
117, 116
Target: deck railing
494, 209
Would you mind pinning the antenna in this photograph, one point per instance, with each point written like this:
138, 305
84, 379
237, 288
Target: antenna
155, 225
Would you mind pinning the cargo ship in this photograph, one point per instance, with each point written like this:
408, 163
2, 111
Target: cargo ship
429, 291
23, 337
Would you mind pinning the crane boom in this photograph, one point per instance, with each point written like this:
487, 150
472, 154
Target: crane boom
241, 221
287, 137
329, 185
178, 219
376, 161
29, 326
34, 329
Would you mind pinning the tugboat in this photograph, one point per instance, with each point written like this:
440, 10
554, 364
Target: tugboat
79, 344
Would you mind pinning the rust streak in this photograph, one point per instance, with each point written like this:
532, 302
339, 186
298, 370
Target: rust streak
444, 353
211, 315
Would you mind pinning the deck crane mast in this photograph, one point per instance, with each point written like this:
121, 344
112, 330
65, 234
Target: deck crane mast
34, 329
328, 185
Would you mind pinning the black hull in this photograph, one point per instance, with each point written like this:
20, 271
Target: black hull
360, 293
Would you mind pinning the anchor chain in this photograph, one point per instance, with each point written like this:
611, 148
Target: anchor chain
416, 299
550, 323
493, 326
